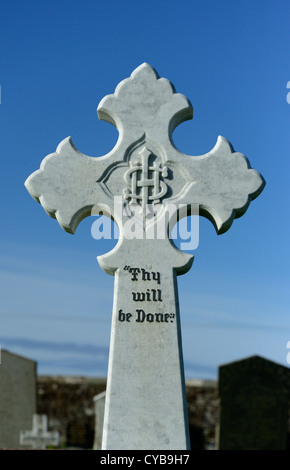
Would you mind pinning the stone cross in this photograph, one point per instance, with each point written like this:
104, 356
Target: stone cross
145, 184
39, 437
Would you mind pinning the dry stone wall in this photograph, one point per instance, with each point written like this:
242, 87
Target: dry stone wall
68, 403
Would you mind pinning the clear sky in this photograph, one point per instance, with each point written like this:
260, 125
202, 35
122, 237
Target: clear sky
58, 60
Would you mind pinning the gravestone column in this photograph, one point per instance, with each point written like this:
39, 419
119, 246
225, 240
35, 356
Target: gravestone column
146, 363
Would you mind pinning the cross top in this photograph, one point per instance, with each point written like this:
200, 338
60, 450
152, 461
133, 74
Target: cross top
145, 176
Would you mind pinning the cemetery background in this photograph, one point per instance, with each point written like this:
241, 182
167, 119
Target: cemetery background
247, 408
56, 65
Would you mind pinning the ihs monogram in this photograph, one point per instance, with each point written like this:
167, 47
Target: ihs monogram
144, 178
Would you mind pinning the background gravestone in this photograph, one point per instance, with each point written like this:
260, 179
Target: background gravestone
254, 402
99, 405
17, 397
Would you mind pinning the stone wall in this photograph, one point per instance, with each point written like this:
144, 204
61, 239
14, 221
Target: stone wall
68, 403
202, 407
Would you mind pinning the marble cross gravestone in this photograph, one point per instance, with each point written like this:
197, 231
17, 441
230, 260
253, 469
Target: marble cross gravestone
145, 184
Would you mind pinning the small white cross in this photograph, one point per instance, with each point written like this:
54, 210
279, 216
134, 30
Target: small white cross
39, 437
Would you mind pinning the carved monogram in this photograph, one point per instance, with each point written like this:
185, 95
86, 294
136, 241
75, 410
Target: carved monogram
145, 183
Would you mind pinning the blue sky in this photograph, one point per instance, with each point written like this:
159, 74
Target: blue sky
58, 60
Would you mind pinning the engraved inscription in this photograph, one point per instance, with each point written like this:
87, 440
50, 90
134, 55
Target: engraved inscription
148, 296
142, 274
151, 294
124, 316
141, 316
151, 317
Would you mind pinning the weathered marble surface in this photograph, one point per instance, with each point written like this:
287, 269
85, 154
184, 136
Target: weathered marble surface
145, 184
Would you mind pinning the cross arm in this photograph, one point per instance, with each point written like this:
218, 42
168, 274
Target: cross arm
66, 185
222, 183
